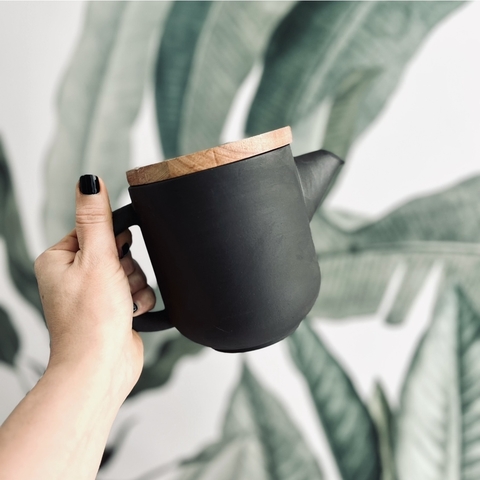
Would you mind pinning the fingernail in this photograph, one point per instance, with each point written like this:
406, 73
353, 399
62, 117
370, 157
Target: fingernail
125, 250
135, 308
89, 184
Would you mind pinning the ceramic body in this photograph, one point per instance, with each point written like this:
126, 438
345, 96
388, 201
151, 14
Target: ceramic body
231, 249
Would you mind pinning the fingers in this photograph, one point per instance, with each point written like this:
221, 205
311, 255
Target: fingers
136, 278
144, 300
94, 218
123, 241
143, 295
129, 264
68, 243
94, 229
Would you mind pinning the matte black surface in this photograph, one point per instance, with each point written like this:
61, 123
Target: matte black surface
231, 249
125, 249
316, 170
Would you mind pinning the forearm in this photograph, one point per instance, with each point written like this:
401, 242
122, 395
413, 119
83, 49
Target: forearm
60, 428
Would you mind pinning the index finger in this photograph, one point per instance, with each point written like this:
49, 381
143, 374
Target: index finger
68, 243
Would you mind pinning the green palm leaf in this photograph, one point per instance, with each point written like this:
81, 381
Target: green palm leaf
342, 127
98, 101
357, 264
207, 51
319, 49
20, 263
382, 416
438, 425
9, 341
175, 60
237, 458
345, 419
259, 441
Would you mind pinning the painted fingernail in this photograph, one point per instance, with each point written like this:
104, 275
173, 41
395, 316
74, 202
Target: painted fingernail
89, 184
135, 308
125, 250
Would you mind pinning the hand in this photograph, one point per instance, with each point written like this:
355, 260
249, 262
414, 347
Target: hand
88, 293
95, 357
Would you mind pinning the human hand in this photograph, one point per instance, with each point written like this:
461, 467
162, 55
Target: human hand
88, 293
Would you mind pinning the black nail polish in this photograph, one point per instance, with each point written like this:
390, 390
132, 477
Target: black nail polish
89, 184
135, 308
125, 250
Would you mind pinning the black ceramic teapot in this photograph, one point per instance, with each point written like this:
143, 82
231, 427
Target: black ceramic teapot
227, 231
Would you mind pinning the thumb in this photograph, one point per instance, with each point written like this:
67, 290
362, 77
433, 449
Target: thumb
94, 218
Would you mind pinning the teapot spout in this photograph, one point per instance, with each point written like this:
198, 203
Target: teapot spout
316, 171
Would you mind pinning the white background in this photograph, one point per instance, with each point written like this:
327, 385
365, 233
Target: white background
427, 138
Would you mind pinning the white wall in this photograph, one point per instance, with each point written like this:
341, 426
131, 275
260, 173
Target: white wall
425, 139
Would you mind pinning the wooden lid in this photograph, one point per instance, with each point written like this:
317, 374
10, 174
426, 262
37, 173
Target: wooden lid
210, 158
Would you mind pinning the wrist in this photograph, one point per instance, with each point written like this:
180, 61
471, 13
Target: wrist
105, 384
71, 409
113, 362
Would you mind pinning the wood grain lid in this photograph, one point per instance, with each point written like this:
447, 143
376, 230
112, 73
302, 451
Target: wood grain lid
210, 158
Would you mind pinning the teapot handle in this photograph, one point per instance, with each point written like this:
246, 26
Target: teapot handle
151, 321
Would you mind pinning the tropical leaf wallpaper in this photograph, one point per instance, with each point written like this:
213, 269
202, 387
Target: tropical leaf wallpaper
328, 69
